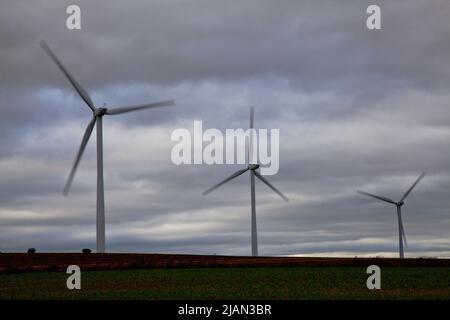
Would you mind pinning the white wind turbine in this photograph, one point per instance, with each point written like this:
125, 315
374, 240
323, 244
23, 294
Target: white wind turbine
399, 204
252, 167
97, 116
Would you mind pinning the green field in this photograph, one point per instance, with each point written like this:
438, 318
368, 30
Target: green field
233, 283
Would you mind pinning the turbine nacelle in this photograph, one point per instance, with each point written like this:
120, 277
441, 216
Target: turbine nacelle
253, 166
98, 112
399, 204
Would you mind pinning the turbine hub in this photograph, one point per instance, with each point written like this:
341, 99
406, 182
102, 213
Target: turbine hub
400, 204
253, 166
100, 112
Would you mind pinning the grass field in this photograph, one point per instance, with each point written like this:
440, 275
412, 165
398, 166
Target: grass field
233, 283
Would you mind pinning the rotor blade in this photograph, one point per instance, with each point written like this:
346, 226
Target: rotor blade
377, 197
83, 94
142, 107
234, 175
404, 236
252, 116
84, 142
412, 187
270, 185
403, 231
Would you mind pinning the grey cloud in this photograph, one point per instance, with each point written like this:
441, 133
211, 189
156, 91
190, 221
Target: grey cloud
355, 109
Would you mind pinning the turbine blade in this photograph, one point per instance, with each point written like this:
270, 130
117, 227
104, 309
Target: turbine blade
141, 107
404, 236
84, 142
260, 177
377, 197
234, 175
83, 94
252, 116
412, 187
402, 228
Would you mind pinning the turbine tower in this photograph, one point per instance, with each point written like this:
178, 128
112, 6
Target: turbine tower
399, 204
252, 167
97, 118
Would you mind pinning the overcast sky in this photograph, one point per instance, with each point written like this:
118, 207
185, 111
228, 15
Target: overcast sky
356, 109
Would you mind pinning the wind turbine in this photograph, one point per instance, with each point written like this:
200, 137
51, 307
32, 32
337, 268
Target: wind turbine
252, 167
98, 114
399, 204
